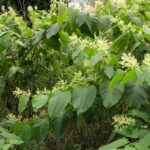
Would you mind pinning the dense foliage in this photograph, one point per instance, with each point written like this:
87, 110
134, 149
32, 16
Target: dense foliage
74, 78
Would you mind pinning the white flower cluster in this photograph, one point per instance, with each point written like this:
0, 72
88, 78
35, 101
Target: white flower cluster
98, 3
126, 27
119, 3
146, 60
82, 6
75, 41
60, 85
18, 92
42, 114
129, 61
91, 75
86, 63
123, 121
78, 80
12, 117
45, 91
102, 45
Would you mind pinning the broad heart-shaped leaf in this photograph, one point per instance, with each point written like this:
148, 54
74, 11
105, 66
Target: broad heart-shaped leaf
58, 103
52, 30
81, 18
62, 13
110, 96
40, 129
83, 98
135, 94
38, 101
23, 101
92, 23
115, 145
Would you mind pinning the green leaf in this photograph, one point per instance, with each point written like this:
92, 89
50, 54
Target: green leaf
2, 85
59, 126
3, 33
83, 98
109, 71
135, 46
116, 78
6, 147
140, 75
80, 19
115, 145
4, 44
95, 59
26, 133
23, 101
62, 13
40, 129
58, 103
135, 95
8, 135
3, 129
140, 114
38, 101
130, 133
52, 30
64, 37
37, 37
92, 23
104, 23
72, 13
146, 74
130, 75
2, 142
19, 42
110, 96
147, 30
15, 142
12, 71
144, 143
147, 33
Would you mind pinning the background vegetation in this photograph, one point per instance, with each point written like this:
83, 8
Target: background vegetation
76, 78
